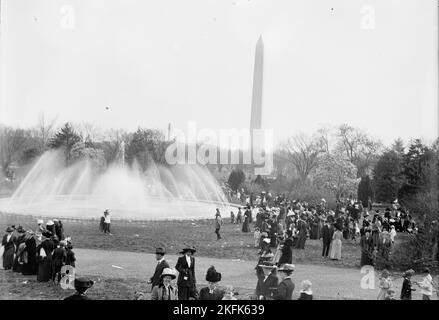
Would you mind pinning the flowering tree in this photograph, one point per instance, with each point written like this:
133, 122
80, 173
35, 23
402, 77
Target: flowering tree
337, 175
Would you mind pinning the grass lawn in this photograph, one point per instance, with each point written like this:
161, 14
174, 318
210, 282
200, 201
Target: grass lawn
145, 236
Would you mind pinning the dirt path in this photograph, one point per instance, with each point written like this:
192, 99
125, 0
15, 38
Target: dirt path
328, 282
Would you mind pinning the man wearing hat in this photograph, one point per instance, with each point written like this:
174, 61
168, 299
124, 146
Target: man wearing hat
286, 286
9, 248
212, 292
81, 286
271, 281
186, 281
155, 280
165, 290
218, 224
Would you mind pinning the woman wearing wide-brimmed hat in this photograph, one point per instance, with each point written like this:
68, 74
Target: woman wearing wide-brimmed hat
8, 248
186, 281
212, 292
19, 248
165, 290
44, 257
30, 254
81, 286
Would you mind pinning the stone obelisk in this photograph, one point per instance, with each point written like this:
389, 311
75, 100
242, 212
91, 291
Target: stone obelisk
256, 111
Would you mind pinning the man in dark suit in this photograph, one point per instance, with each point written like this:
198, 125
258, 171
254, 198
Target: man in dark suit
286, 286
271, 282
186, 281
161, 264
327, 232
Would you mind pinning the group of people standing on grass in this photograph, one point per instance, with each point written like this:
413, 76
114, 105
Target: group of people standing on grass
42, 252
185, 289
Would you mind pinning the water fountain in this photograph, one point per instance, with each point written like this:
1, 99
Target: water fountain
52, 189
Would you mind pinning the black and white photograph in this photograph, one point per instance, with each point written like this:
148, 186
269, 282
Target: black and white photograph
189, 150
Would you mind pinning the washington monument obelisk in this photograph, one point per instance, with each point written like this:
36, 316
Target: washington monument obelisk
256, 112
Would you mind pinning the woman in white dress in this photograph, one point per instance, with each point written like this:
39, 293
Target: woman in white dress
335, 253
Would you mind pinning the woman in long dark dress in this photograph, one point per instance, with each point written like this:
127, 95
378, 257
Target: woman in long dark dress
301, 225
245, 225
366, 244
44, 258
30, 255
314, 228
9, 249
19, 245
287, 250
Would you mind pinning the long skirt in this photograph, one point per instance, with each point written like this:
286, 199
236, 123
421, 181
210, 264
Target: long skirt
335, 252
8, 258
366, 257
278, 254
245, 226
17, 266
44, 270
314, 232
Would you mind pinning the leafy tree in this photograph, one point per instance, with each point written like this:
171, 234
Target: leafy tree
146, 146
66, 138
388, 176
337, 175
260, 181
236, 178
365, 190
95, 157
416, 170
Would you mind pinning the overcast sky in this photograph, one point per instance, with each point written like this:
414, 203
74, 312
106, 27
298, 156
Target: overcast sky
155, 62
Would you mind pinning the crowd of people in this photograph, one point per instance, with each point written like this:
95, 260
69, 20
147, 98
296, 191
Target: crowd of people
280, 226
41, 253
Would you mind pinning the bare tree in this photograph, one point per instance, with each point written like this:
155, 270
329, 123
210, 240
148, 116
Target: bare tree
361, 150
12, 144
44, 130
303, 151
